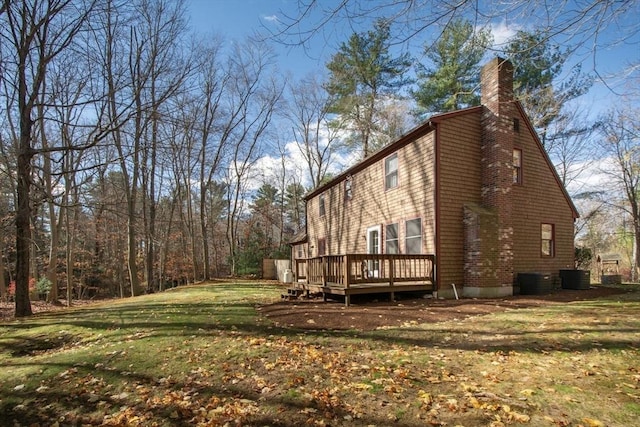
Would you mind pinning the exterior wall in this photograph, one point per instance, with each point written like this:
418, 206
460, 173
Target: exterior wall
490, 229
460, 180
299, 251
344, 226
539, 200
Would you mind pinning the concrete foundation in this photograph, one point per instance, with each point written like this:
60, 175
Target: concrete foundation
487, 291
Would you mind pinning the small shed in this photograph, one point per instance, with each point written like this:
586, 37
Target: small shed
274, 269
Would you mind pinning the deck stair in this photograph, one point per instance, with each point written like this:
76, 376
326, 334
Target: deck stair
292, 293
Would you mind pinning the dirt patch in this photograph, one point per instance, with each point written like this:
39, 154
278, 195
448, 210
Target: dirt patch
39, 344
366, 313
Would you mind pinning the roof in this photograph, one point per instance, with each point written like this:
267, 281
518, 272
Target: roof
610, 257
299, 237
428, 126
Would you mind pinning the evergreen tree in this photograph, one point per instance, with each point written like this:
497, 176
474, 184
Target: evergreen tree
538, 65
363, 75
453, 81
295, 206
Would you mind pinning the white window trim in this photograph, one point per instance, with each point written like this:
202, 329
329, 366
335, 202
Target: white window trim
396, 171
373, 266
421, 235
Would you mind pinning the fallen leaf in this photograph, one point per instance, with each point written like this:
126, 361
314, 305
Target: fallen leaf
591, 422
425, 397
527, 392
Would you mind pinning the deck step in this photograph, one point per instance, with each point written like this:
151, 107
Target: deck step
292, 293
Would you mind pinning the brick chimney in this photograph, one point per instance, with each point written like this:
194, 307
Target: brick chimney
488, 228
498, 113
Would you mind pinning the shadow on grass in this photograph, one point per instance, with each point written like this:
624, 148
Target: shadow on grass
59, 399
213, 319
154, 400
573, 338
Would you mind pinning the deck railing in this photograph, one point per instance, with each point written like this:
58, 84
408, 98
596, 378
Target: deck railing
354, 269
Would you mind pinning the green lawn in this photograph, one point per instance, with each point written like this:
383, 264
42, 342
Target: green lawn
202, 355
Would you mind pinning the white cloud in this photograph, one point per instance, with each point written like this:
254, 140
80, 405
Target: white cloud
591, 176
268, 168
271, 18
502, 32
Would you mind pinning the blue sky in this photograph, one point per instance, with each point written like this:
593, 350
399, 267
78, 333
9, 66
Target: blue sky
237, 19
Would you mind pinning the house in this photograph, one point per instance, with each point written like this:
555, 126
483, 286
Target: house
474, 189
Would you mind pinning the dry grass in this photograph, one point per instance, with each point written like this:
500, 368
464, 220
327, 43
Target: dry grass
204, 355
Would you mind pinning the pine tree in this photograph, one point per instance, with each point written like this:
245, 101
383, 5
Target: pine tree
538, 65
363, 75
453, 81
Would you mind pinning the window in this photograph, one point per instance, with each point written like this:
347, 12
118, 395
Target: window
391, 171
413, 237
322, 209
391, 239
547, 238
516, 125
322, 247
517, 166
348, 188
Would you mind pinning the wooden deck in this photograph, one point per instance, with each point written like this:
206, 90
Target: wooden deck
354, 274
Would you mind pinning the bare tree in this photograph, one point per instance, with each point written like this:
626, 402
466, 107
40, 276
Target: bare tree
184, 166
316, 139
35, 32
3, 284
167, 68
62, 122
254, 97
142, 69
621, 142
212, 84
573, 153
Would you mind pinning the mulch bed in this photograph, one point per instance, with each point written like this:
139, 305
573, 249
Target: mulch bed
368, 314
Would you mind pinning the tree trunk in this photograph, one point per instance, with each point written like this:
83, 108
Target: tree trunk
69, 259
23, 215
132, 267
53, 256
54, 222
636, 247
206, 267
3, 284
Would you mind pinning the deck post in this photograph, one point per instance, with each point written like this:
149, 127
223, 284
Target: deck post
345, 271
392, 274
323, 269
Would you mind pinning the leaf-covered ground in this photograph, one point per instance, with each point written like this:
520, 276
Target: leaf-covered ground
376, 311
209, 355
